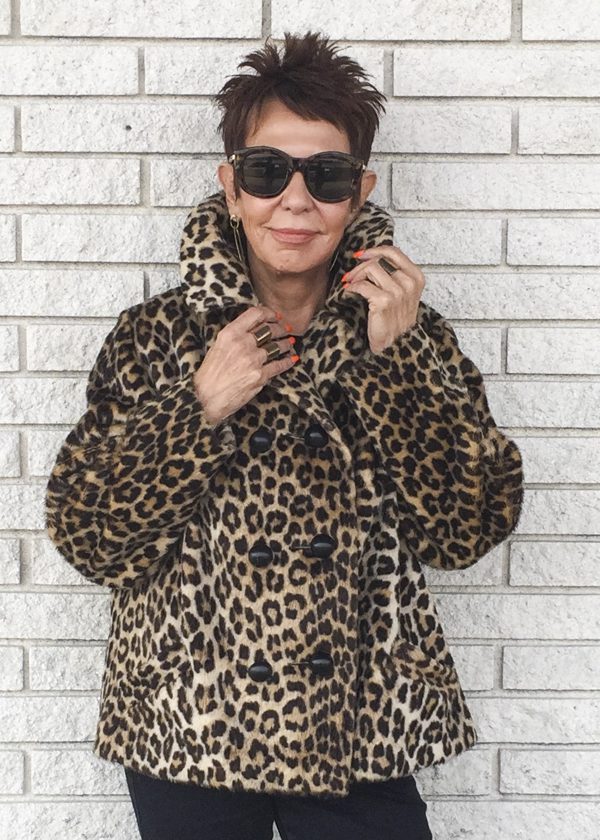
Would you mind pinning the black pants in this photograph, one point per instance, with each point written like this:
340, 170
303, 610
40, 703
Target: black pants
165, 810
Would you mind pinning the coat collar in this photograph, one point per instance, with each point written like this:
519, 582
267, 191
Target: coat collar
213, 278
214, 282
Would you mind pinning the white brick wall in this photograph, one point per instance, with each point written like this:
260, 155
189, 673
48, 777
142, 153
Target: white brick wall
488, 160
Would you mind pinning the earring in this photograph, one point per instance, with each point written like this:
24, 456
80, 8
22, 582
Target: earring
235, 224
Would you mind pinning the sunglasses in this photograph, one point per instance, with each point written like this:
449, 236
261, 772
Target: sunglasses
265, 172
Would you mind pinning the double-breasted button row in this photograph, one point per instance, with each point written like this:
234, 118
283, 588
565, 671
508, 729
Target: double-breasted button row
319, 662
262, 439
321, 545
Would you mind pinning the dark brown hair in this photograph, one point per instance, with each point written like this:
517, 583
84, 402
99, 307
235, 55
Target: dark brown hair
309, 79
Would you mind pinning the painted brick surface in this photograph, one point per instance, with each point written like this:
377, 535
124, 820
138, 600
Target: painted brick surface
487, 160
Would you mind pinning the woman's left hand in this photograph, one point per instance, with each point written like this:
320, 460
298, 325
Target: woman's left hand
393, 298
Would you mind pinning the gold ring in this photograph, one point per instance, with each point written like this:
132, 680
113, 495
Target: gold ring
387, 265
262, 335
273, 351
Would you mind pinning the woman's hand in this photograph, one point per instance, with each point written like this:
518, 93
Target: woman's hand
234, 370
393, 298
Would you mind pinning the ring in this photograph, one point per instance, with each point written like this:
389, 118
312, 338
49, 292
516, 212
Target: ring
387, 265
273, 351
262, 335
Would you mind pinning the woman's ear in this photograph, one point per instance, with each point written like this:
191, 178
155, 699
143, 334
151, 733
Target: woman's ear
226, 177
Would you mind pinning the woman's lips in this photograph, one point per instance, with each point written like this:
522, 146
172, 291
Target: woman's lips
283, 236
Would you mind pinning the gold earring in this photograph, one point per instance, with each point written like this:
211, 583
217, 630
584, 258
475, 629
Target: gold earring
235, 224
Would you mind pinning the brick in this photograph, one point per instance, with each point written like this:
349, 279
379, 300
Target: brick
486, 572
102, 237
7, 128
551, 668
550, 772
568, 350
63, 181
10, 562
519, 616
61, 70
513, 820
21, 503
44, 615
551, 511
8, 229
42, 447
142, 19
168, 66
553, 241
560, 460
4, 17
507, 70
468, 774
448, 241
554, 20
449, 129
539, 720
137, 126
32, 718
9, 348
559, 129
68, 292
93, 819
75, 773
535, 295
65, 346
11, 668
475, 665
550, 563
64, 668
490, 186
48, 566
12, 773
544, 403
10, 455
465, 20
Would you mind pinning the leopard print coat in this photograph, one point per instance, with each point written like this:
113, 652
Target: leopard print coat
271, 626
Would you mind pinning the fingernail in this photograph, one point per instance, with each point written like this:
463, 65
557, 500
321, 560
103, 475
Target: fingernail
295, 358
288, 327
359, 253
292, 339
345, 275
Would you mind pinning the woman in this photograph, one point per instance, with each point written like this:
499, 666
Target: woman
269, 454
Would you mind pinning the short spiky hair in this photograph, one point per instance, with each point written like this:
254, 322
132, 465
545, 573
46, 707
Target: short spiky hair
309, 79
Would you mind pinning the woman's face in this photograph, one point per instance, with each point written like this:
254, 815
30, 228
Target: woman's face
294, 207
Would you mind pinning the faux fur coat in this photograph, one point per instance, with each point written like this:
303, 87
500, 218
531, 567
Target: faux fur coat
271, 626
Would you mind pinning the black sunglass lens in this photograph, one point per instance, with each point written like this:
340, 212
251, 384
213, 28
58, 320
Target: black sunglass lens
331, 178
263, 173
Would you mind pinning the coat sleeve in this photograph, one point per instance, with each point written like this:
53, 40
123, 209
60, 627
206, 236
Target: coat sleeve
128, 475
423, 404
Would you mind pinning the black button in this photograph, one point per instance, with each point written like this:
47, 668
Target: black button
260, 555
260, 671
321, 663
261, 440
316, 435
322, 545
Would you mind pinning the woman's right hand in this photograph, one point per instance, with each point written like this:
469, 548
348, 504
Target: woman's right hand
234, 370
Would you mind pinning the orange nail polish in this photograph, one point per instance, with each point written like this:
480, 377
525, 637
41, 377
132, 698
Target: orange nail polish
292, 339
358, 253
295, 358
288, 327
345, 275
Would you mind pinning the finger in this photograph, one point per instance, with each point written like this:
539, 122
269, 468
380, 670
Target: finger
374, 272
253, 317
277, 366
395, 256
